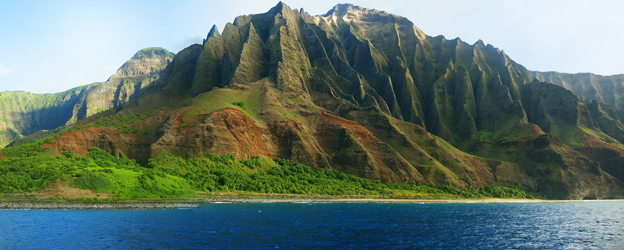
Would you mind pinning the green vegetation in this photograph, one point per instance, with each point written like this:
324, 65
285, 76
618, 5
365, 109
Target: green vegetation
126, 124
486, 135
30, 168
240, 104
518, 132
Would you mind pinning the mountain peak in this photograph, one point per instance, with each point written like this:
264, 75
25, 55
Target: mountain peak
214, 31
279, 7
341, 9
146, 60
152, 52
363, 14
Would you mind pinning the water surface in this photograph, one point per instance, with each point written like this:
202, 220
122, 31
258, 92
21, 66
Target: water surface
565, 225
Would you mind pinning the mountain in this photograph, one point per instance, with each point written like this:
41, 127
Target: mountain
25, 113
588, 86
367, 93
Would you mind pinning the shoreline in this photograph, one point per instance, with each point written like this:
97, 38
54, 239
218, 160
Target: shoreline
195, 203
383, 200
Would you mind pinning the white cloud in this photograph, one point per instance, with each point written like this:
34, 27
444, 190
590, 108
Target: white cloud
5, 70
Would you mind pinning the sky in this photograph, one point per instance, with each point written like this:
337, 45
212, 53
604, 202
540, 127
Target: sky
52, 46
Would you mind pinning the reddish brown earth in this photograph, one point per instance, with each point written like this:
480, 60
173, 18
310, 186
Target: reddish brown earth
106, 138
227, 131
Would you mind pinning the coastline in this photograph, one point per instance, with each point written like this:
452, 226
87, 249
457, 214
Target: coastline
194, 203
59, 205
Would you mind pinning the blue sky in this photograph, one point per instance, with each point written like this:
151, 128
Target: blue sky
51, 46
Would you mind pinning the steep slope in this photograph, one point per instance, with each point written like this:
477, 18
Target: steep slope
25, 113
364, 92
588, 86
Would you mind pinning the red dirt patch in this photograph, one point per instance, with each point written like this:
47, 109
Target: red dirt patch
249, 136
225, 110
178, 120
340, 121
229, 130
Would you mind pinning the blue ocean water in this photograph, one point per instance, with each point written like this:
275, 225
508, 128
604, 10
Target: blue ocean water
564, 225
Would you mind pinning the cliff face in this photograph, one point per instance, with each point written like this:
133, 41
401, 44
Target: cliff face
364, 92
25, 113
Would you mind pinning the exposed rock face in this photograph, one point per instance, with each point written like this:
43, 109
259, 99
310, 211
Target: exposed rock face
26, 113
366, 92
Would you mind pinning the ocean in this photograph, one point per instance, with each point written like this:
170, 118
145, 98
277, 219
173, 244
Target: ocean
548, 225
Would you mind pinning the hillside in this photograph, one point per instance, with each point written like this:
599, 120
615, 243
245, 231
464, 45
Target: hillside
25, 113
365, 92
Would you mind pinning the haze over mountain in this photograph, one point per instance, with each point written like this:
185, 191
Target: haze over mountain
356, 90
